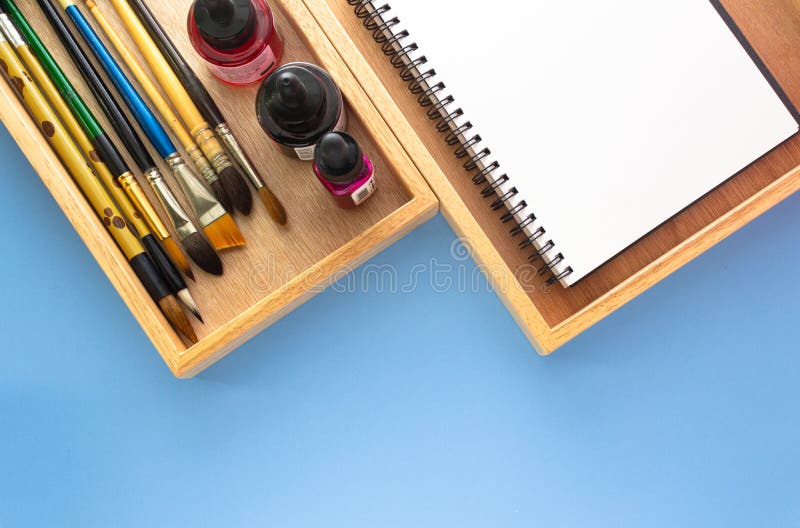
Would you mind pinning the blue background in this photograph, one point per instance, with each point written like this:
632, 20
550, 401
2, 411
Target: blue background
681, 409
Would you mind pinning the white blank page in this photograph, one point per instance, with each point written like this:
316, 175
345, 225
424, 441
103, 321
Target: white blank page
608, 116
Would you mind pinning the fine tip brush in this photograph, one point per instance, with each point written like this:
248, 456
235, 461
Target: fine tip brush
207, 107
231, 178
196, 245
217, 223
71, 156
171, 247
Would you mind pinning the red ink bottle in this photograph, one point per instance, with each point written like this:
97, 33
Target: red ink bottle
237, 39
343, 168
296, 105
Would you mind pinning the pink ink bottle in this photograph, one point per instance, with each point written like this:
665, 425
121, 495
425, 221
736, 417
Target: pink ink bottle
343, 168
236, 38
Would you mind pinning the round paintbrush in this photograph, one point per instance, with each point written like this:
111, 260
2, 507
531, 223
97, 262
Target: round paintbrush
132, 188
175, 92
154, 94
207, 107
217, 223
196, 245
55, 134
96, 145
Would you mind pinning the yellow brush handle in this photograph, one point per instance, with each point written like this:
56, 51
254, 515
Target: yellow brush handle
172, 86
153, 93
74, 128
68, 151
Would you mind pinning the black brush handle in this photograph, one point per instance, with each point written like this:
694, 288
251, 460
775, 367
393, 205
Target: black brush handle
102, 143
150, 277
164, 263
111, 108
198, 92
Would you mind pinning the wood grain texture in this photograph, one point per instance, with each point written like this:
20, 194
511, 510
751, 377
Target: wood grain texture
281, 266
552, 316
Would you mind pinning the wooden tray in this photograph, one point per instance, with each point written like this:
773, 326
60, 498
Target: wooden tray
552, 316
280, 267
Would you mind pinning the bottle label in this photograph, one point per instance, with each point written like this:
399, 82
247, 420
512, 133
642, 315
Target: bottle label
249, 72
307, 153
365, 191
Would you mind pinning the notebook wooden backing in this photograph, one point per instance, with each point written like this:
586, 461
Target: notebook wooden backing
552, 316
281, 266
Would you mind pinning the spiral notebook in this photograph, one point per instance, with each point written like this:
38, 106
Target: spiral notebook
592, 122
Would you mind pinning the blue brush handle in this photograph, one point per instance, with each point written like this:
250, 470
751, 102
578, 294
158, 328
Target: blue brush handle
141, 112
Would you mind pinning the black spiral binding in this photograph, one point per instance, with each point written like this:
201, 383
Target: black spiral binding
411, 66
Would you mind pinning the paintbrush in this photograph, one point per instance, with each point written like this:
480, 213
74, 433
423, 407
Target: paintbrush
107, 161
180, 99
96, 145
131, 186
207, 106
196, 244
154, 94
217, 223
69, 153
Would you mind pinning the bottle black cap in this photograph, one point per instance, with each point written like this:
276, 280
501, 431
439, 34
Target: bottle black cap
225, 24
296, 99
339, 158
298, 103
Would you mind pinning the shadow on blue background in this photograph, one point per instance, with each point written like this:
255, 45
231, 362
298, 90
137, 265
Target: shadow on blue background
679, 410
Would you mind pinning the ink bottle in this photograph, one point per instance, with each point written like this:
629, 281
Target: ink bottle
236, 38
297, 104
343, 168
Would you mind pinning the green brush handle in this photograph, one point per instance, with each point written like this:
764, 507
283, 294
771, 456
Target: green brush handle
89, 123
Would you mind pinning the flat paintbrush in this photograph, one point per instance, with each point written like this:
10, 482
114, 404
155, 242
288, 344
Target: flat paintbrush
207, 107
218, 224
154, 94
69, 153
180, 99
196, 244
96, 145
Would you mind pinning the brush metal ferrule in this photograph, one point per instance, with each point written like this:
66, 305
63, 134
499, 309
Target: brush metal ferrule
142, 205
178, 216
206, 207
215, 154
238, 153
201, 163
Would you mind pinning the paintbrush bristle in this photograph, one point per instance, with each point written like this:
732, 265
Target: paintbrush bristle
177, 256
237, 189
171, 309
202, 253
188, 301
221, 195
223, 233
273, 205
